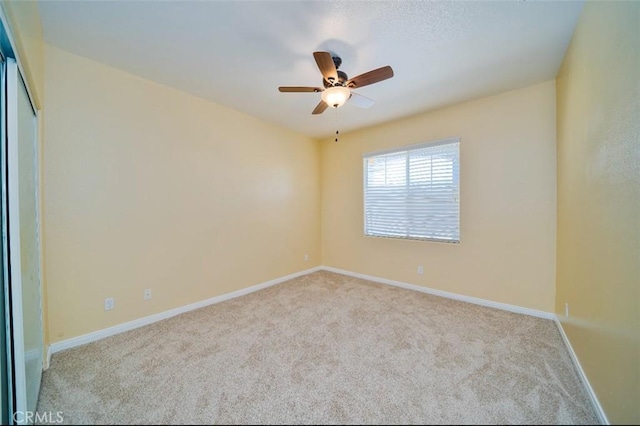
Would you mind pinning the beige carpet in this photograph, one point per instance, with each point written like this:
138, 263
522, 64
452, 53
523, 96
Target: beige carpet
324, 348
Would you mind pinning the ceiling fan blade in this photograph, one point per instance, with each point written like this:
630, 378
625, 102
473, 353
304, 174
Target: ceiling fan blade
326, 65
361, 101
371, 77
299, 89
320, 108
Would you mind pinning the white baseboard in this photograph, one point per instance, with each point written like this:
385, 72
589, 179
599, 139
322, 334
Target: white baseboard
448, 295
583, 377
121, 328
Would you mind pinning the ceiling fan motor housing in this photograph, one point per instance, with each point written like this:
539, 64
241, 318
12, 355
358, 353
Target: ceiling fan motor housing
342, 80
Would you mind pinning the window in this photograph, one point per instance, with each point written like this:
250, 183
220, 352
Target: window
414, 192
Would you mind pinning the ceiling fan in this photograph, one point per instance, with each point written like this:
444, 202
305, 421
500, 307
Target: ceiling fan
337, 86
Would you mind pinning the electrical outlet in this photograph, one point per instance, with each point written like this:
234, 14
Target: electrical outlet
420, 270
566, 310
147, 294
109, 303
306, 257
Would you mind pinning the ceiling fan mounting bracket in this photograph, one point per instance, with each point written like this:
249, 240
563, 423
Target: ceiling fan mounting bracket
337, 61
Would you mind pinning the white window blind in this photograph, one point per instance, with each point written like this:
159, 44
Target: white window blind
414, 192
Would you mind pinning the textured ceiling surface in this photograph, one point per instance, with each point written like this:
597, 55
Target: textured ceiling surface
237, 53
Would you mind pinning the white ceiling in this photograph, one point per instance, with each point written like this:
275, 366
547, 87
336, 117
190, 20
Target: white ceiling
237, 53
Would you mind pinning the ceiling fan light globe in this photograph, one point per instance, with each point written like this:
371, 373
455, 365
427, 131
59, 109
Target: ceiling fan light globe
336, 96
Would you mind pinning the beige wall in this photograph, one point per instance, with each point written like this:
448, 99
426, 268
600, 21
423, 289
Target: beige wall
148, 187
599, 202
507, 173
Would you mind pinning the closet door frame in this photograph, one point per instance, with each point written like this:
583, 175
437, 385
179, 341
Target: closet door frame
13, 80
10, 401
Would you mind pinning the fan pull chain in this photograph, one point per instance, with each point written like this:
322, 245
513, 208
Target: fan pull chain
337, 132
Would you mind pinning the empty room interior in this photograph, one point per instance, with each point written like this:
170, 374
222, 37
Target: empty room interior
320, 212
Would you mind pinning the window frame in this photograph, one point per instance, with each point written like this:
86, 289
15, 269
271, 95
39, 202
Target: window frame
409, 148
